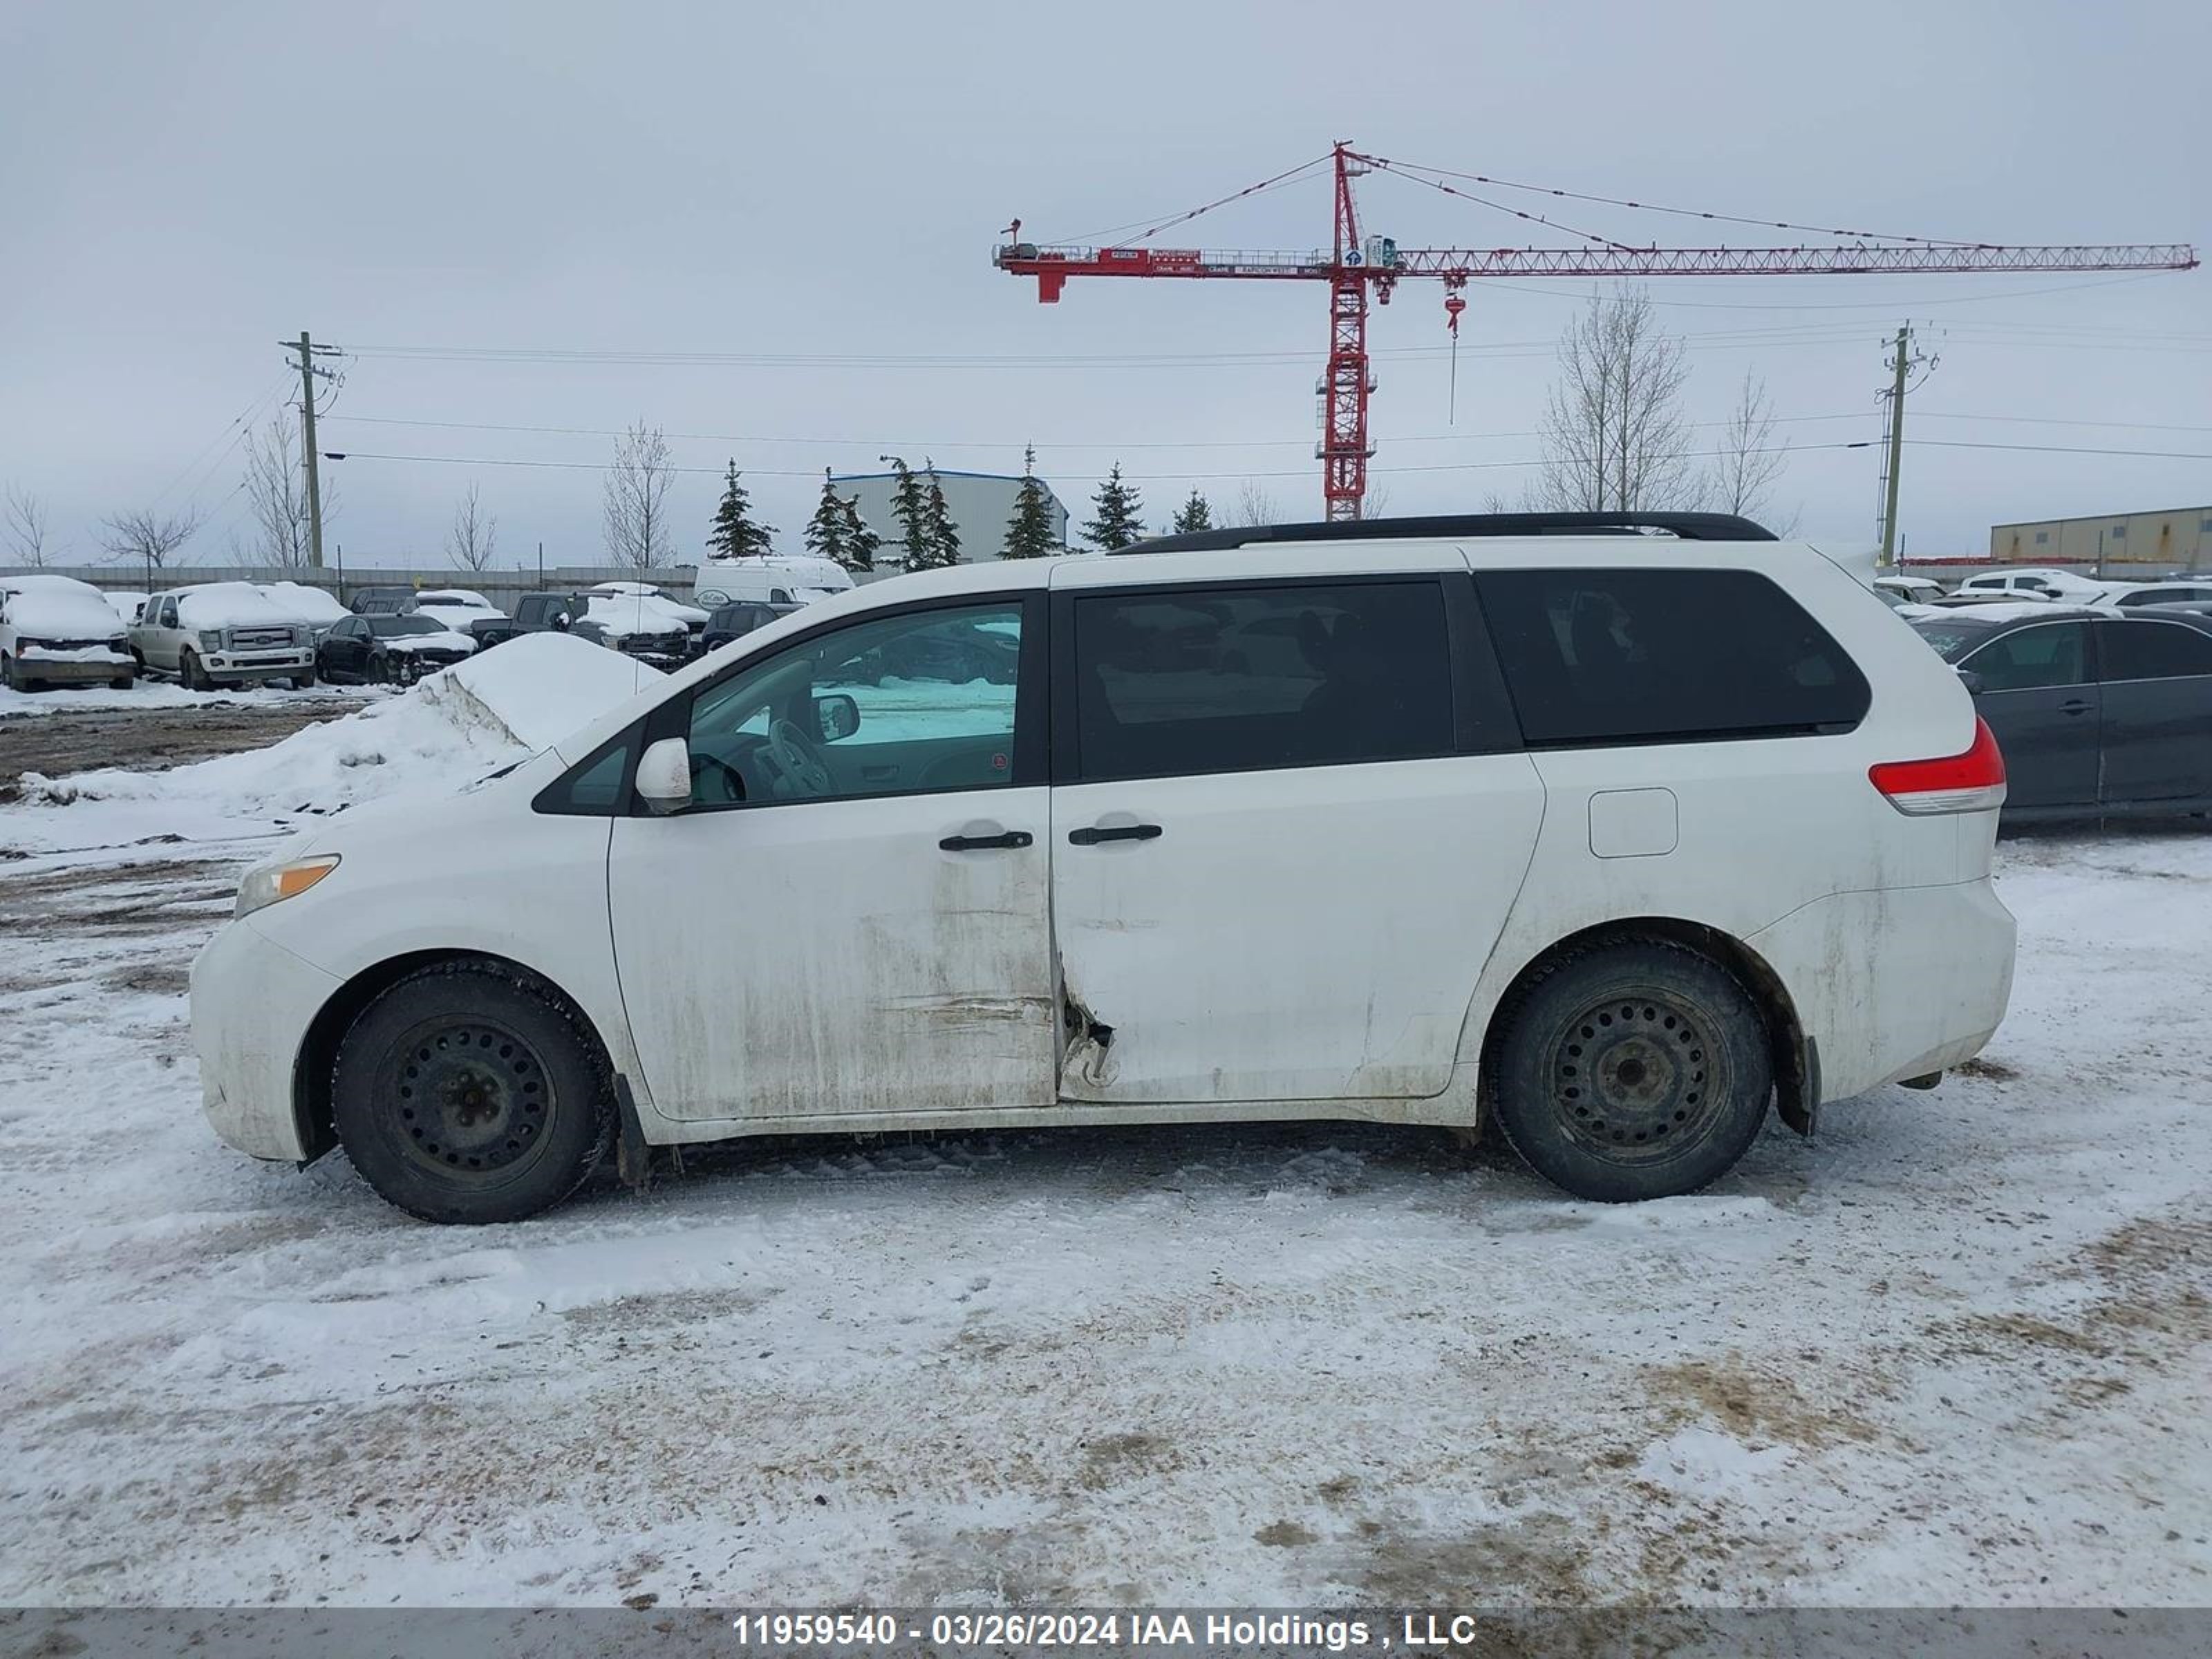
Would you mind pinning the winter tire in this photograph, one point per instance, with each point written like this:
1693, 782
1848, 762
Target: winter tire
1633, 1070
467, 1093
190, 671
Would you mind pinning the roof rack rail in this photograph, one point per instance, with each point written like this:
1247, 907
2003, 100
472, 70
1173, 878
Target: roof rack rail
1685, 527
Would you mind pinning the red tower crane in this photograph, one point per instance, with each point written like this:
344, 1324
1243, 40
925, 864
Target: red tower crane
1355, 270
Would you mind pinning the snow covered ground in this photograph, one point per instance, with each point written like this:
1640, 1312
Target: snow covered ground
1955, 1351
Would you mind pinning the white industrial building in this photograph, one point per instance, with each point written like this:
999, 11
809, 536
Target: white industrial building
979, 504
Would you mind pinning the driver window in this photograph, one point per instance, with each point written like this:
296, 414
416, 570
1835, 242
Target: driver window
919, 703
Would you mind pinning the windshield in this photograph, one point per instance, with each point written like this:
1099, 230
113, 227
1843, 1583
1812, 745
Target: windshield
1951, 642
385, 626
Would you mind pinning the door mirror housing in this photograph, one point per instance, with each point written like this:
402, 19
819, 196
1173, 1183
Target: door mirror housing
836, 716
1971, 681
664, 776
561, 620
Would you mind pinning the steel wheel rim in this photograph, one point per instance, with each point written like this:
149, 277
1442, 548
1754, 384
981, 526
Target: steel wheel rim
1637, 1078
469, 1098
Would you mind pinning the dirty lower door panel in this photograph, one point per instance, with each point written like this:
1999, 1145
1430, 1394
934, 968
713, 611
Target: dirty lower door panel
829, 957
1303, 934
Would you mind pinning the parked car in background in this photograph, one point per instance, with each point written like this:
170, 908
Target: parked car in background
534, 613
317, 607
2048, 583
695, 616
771, 578
458, 609
382, 601
223, 634
55, 630
2098, 713
638, 625
1914, 590
1623, 839
126, 602
2129, 596
389, 650
738, 618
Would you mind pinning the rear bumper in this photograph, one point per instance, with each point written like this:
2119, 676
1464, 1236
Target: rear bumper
1896, 983
252, 1001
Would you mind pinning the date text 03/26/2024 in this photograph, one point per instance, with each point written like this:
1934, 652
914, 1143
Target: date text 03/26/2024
1322, 1632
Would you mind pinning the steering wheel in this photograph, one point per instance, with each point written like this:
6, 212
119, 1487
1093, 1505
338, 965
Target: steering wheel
797, 759
714, 780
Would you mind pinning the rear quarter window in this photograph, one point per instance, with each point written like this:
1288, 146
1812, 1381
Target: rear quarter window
1637, 655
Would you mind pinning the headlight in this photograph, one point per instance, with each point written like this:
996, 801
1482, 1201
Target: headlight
30, 644
262, 888
119, 646
211, 641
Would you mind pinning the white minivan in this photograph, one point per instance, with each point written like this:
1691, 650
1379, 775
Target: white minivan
1624, 839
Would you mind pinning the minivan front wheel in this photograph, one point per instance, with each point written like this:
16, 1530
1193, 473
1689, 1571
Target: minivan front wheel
1633, 1070
464, 1094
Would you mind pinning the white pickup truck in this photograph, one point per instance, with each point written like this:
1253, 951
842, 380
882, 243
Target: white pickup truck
223, 634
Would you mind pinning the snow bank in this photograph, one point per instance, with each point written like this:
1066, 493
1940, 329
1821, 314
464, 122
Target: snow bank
541, 687
450, 730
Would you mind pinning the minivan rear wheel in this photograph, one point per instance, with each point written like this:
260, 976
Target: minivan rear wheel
464, 1094
1631, 1070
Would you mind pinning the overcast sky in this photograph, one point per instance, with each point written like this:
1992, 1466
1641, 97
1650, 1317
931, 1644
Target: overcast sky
779, 219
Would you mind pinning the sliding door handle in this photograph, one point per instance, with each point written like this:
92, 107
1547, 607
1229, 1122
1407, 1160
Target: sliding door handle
1094, 834
984, 843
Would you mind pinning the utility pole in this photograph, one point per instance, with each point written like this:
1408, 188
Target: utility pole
1903, 359
309, 352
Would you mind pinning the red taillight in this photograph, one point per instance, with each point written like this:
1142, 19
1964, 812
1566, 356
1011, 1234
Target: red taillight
1972, 783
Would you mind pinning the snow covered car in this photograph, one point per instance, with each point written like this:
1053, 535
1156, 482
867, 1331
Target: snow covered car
317, 607
58, 631
389, 650
223, 634
695, 616
1625, 840
457, 609
126, 602
1913, 590
654, 630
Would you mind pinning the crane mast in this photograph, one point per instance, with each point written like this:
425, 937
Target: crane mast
1355, 270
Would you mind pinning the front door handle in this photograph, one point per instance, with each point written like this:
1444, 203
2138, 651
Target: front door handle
1094, 834
2076, 707
982, 843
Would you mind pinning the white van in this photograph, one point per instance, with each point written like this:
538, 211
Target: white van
1624, 839
770, 578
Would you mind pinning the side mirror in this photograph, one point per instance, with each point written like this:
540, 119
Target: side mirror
1971, 681
836, 716
561, 620
664, 776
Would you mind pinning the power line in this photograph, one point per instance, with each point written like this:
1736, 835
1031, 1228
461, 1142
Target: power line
814, 473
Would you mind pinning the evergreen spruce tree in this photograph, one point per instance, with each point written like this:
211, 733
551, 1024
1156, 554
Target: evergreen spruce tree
1120, 510
911, 507
943, 542
734, 535
1195, 515
1028, 532
861, 541
825, 531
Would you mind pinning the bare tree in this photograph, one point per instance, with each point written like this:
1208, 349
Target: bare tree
26, 523
147, 536
1375, 500
1255, 506
277, 495
1613, 433
469, 543
1751, 460
637, 490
